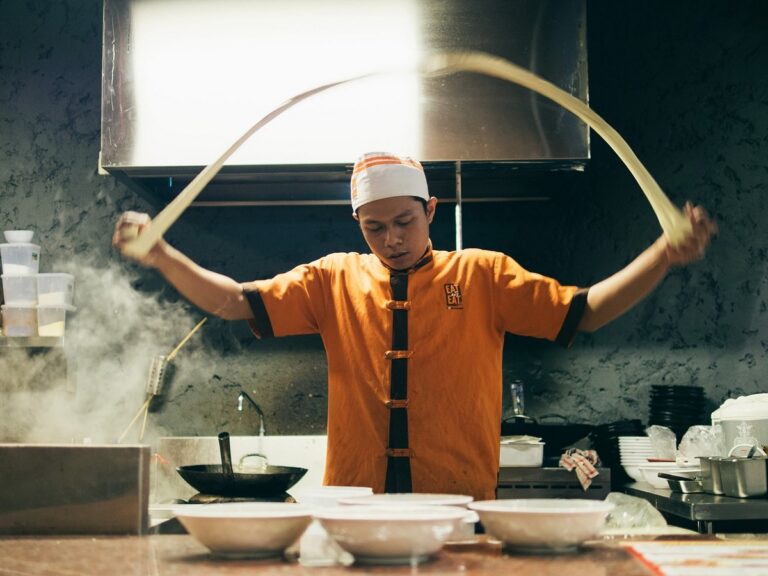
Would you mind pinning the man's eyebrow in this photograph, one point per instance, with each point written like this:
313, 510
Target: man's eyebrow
404, 213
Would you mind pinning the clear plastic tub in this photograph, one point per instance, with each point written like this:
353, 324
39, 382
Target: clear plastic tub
55, 289
19, 320
20, 259
529, 455
20, 290
52, 320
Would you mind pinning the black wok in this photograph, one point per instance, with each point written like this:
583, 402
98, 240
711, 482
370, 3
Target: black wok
222, 480
211, 479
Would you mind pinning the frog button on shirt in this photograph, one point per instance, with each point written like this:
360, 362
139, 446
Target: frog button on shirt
459, 306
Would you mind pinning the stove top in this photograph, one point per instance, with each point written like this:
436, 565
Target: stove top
201, 498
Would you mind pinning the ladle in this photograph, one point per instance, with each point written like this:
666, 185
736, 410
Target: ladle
226, 455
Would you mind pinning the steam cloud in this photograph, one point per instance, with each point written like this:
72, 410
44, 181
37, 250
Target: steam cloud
109, 344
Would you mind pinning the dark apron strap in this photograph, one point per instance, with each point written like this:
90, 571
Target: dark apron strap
398, 454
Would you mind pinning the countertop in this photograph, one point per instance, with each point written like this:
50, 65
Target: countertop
169, 555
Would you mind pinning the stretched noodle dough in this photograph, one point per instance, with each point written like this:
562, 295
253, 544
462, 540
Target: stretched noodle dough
674, 223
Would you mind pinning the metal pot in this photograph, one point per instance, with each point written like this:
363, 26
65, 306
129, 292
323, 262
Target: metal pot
222, 480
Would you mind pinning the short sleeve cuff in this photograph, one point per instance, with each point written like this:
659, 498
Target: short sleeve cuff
260, 324
572, 319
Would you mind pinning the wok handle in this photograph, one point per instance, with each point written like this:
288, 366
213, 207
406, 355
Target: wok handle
226, 454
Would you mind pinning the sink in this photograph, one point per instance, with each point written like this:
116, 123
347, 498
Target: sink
298, 451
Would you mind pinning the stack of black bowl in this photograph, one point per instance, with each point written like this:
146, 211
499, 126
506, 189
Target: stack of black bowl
677, 407
605, 439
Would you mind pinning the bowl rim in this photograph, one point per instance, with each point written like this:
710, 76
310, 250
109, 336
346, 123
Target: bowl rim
245, 510
529, 506
378, 514
410, 498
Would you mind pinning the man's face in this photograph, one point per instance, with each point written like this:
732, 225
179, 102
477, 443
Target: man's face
397, 229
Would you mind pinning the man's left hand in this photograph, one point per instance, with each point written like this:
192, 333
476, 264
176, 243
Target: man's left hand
694, 246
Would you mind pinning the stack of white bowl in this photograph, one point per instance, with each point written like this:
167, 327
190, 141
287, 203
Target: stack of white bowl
34, 304
635, 452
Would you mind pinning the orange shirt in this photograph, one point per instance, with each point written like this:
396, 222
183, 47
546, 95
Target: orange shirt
462, 303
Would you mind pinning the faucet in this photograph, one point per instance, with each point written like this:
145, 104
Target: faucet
244, 396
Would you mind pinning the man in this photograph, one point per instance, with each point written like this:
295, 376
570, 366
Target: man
414, 336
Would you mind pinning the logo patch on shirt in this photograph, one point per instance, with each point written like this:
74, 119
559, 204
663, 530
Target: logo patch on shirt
453, 298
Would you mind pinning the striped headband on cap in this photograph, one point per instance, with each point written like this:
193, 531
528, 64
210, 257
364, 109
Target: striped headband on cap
379, 175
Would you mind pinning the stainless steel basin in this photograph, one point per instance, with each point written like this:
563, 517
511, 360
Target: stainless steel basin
74, 489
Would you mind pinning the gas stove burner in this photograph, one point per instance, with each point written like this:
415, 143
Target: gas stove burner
201, 498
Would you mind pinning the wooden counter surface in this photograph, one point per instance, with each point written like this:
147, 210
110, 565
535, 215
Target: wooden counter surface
170, 555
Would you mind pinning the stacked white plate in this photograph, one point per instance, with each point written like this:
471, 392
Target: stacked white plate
634, 452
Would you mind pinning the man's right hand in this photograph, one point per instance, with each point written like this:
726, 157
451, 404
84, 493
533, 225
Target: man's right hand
127, 228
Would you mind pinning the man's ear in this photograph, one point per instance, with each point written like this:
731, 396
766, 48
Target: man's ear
355, 216
431, 208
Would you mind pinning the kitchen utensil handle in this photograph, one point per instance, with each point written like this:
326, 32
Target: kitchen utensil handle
226, 454
668, 476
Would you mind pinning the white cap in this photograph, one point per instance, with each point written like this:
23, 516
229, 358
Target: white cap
379, 175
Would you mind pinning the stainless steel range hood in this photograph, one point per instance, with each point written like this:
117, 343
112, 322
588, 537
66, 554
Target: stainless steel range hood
183, 79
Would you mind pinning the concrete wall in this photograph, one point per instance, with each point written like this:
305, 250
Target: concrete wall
684, 82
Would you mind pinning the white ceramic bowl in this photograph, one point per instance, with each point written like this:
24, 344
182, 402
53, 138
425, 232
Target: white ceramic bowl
650, 472
634, 473
636, 456
246, 530
18, 236
550, 525
391, 535
641, 457
464, 533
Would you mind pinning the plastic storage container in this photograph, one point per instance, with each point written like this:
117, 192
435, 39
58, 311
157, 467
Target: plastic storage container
20, 290
55, 289
18, 236
522, 454
19, 320
52, 320
19, 259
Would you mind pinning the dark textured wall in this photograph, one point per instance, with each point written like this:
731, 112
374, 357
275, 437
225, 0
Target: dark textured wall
684, 82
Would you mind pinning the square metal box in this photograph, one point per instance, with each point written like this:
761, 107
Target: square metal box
74, 489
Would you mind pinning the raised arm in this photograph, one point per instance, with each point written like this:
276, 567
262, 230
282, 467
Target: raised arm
612, 297
215, 293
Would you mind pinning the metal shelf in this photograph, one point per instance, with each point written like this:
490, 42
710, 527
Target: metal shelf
708, 512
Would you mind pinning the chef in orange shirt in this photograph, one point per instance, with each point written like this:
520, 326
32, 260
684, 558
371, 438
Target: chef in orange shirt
414, 335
